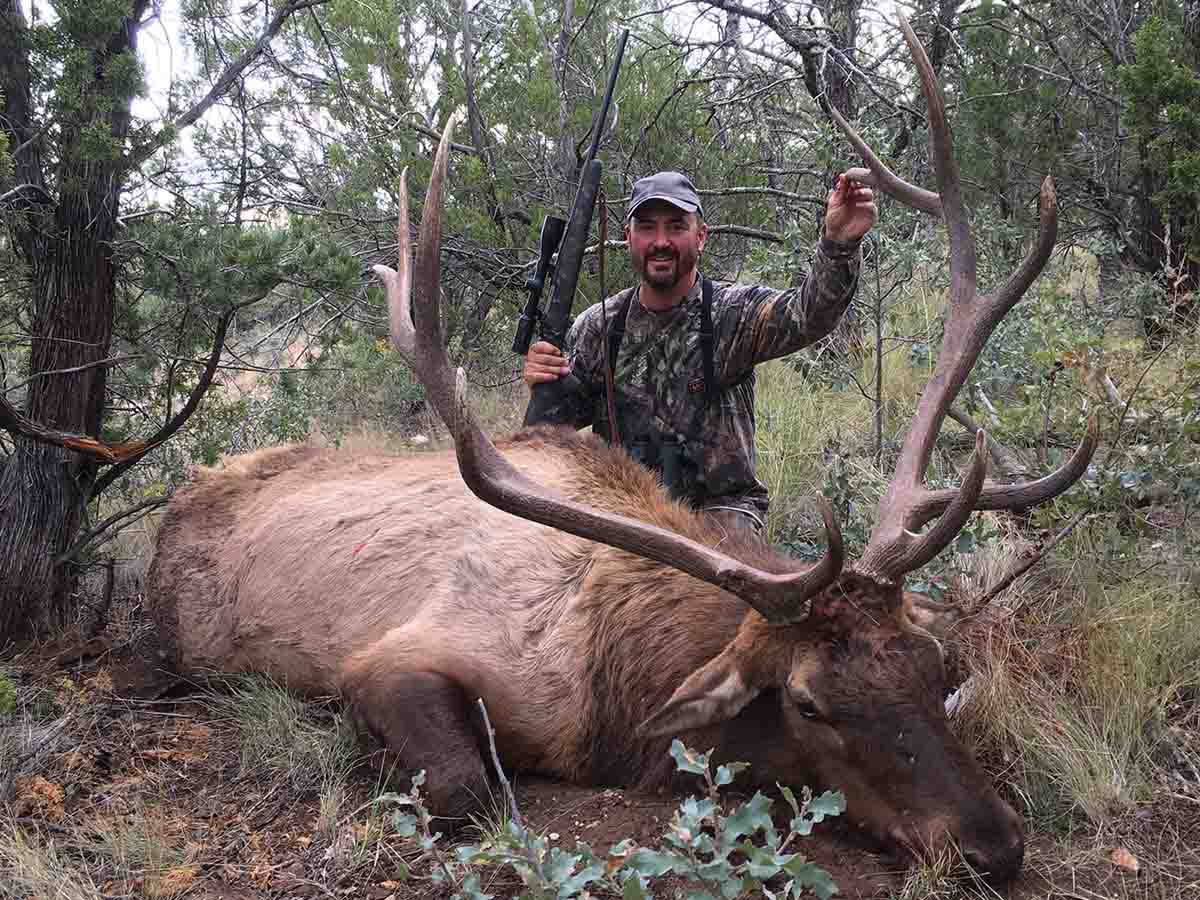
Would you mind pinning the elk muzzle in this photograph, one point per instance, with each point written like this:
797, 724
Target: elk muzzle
990, 839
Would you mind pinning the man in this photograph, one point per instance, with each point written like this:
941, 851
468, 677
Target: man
684, 409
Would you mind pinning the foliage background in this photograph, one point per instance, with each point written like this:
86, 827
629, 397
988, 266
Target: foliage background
267, 208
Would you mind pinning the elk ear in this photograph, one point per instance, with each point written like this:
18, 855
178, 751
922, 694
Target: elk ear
938, 619
713, 693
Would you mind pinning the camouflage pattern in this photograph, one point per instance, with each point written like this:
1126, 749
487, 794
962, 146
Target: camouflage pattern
705, 455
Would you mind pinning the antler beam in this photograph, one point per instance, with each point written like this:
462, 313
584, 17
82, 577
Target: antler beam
416, 333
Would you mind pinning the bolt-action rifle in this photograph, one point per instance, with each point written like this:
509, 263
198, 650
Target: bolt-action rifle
573, 234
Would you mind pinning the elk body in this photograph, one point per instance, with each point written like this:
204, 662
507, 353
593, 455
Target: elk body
551, 576
386, 580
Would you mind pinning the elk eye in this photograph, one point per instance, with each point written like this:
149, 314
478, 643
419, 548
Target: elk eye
808, 709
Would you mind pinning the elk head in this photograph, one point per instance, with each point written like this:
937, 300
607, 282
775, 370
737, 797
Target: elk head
830, 677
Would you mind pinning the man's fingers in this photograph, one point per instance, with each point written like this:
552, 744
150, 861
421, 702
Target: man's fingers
537, 375
547, 362
544, 362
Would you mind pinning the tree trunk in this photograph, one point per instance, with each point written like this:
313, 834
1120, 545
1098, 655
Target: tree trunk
841, 16
43, 490
565, 162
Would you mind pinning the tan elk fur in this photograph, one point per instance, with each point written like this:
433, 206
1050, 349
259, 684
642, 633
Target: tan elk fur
315, 565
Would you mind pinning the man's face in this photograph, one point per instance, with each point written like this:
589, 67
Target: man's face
665, 243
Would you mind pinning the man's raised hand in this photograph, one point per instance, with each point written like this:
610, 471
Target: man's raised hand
850, 211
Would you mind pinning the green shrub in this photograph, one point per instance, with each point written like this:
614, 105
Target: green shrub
719, 854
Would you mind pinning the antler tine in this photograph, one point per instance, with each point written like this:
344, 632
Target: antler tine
1017, 496
895, 547
780, 598
905, 550
399, 298
962, 244
879, 175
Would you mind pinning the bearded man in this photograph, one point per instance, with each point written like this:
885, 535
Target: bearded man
683, 347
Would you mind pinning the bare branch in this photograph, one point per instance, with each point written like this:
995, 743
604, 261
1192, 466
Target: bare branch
15, 422
1025, 565
224, 82
1007, 461
24, 196
85, 366
88, 537
504, 785
181, 417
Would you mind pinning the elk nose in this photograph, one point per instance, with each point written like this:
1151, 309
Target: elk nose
999, 862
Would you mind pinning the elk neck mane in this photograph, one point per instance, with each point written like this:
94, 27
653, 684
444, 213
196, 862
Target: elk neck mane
643, 626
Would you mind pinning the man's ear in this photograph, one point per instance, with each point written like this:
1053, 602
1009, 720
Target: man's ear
715, 692
702, 228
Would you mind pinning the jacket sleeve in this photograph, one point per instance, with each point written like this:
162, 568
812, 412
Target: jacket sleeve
755, 323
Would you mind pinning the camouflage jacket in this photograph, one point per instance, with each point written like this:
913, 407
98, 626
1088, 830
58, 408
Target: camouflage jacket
705, 454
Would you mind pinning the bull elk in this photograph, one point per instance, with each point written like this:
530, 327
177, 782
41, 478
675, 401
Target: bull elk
595, 616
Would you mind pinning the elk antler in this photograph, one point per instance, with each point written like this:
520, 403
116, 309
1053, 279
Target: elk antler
417, 334
895, 547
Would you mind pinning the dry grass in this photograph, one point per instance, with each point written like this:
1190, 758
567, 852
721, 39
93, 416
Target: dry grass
144, 847
948, 877
31, 868
1078, 694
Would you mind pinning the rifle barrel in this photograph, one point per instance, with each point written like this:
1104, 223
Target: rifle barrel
602, 118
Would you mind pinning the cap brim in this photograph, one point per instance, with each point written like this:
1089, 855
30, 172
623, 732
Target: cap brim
674, 201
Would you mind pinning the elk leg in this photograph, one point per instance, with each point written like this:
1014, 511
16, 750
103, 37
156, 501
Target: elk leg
427, 720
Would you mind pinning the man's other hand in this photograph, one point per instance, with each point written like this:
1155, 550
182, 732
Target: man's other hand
850, 212
544, 362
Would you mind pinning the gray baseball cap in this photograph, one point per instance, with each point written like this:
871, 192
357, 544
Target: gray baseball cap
674, 187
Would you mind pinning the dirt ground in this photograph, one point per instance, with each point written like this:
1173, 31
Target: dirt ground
145, 749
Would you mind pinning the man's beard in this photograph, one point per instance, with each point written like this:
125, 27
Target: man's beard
660, 279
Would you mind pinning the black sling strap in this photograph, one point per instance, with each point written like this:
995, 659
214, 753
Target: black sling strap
707, 339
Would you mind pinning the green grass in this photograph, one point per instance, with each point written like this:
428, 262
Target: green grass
283, 742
